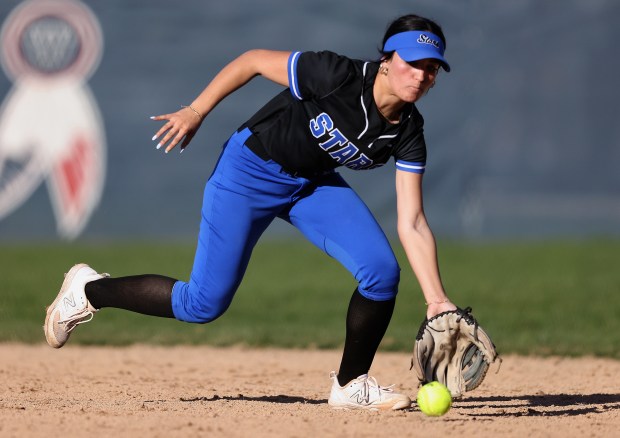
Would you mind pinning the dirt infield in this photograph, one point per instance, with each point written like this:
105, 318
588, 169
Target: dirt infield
237, 392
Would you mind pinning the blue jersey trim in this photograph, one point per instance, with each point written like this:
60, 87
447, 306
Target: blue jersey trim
292, 74
411, 167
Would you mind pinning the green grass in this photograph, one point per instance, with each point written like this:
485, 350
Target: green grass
533, 298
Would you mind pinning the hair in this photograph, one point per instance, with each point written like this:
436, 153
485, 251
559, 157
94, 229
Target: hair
407, 23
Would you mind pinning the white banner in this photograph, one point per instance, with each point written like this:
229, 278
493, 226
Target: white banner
50, 126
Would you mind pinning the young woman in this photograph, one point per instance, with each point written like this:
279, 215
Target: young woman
334, 112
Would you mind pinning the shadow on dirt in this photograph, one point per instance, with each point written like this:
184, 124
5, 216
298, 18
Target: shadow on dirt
539, 405
546, 405
284, 399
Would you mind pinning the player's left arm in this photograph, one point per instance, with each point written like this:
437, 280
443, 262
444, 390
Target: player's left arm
271, 64
418, 241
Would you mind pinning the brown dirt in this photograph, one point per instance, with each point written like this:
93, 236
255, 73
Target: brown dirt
237, 392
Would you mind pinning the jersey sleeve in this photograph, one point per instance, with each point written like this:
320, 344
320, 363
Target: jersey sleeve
316, 74
410, 154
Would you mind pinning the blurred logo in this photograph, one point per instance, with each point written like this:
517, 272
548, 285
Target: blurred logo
50, 126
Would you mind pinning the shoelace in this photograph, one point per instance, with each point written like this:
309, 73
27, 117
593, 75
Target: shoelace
73, 321
369, 381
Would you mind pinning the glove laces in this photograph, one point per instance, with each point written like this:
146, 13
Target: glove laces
466, 313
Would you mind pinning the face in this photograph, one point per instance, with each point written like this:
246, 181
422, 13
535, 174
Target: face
409, 81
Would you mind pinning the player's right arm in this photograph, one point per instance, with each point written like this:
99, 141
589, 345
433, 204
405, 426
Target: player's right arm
418, 241
183, 124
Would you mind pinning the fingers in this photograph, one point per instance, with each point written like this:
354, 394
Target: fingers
175, 141
163, 129
161, 132
186, 141
178, 128
169, 140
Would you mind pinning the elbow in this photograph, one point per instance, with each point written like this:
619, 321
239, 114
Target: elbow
253, 53
412, 225
250, 62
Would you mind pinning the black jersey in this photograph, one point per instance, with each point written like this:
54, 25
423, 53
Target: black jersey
328, 118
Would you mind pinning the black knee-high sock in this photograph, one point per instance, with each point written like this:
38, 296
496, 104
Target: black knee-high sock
367, 321
148, 294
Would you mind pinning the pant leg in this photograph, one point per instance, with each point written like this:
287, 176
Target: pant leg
337, 221
241, 199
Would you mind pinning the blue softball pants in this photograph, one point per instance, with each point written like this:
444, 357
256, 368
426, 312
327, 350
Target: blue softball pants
243, 196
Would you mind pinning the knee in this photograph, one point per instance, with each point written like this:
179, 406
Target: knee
380, 280
196, 308
205, 313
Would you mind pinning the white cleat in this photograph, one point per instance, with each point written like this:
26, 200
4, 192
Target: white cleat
365, 393
71, 307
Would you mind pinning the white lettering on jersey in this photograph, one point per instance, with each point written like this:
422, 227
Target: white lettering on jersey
336, 144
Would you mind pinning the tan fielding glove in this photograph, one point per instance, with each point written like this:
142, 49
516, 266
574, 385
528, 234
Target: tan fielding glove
453, 349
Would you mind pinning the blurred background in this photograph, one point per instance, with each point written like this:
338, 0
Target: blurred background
522, 186
523, 135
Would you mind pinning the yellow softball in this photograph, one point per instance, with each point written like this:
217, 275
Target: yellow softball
434, 399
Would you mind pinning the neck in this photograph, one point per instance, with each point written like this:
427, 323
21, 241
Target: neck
387, 103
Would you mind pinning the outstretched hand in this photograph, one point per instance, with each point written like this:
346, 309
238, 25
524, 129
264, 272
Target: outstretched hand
180, 127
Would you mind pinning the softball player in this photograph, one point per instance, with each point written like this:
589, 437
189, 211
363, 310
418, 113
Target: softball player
334, 112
